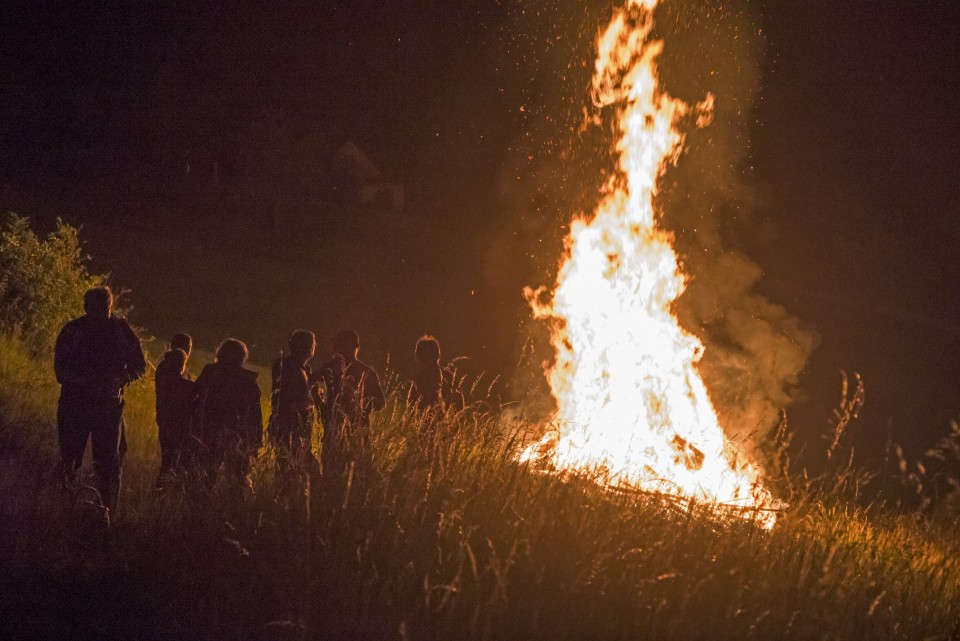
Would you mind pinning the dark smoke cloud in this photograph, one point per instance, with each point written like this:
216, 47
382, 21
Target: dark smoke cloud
755, 349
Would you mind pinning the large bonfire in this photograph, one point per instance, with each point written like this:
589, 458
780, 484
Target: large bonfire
631, 403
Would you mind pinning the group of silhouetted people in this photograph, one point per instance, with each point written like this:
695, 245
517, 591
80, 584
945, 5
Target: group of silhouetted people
212, 422
215, 422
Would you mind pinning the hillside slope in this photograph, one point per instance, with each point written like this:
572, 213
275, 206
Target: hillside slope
457, 542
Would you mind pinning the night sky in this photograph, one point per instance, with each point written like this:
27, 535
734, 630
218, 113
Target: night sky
857, 138
847, 139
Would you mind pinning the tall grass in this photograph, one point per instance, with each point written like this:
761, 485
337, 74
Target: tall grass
435, 532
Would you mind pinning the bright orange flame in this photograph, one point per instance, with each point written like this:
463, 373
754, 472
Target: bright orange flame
631, 402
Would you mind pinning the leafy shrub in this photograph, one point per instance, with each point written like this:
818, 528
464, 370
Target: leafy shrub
42, 282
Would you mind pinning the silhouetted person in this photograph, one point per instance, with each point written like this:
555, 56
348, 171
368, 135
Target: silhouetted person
432, 392
229, 423
353, 392
430, 381
95, 357
293, 401
175, 409
183, 342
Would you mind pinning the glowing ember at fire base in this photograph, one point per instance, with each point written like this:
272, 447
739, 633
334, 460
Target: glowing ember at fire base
631, 403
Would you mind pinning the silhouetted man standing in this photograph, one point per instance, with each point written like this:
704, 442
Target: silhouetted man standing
353, 393
293, 401
229, 425
95, 357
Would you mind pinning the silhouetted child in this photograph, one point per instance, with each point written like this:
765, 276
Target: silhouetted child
428, 381
175, 403
432, 392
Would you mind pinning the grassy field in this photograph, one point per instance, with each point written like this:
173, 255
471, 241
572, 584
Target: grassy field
451, 542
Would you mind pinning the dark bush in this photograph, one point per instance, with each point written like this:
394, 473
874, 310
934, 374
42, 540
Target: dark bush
42, 282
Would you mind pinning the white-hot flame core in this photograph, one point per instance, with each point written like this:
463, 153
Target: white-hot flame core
630, 399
